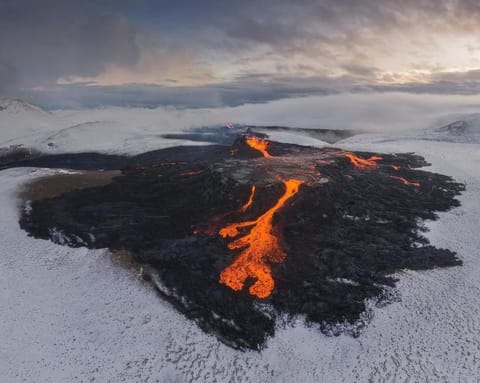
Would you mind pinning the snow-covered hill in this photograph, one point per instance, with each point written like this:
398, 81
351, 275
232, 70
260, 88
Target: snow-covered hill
21, 121
466, 130
17, 106
134, 130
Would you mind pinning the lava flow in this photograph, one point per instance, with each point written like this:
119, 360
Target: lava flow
258, 144
407, 182
363, 163
245, 207
251, 231
259, 247
192, 173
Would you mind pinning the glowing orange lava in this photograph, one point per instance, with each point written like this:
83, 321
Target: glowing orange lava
407, 182
363, 163
192, 173
259, 247
259, 144
245, 207
395, 167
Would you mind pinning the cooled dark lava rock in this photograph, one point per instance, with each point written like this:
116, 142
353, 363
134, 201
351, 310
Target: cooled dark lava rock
346, 232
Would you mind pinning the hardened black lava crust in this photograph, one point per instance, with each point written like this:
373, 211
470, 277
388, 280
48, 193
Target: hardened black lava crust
346, 232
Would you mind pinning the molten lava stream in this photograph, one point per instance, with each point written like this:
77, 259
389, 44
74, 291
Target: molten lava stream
363, 163
259, 247
258, 144
407, 182
192, 173
245, 207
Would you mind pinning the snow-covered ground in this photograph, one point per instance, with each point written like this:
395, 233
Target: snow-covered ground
136, 130
77, 315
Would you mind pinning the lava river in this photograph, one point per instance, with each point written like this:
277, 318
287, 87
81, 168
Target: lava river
261, 245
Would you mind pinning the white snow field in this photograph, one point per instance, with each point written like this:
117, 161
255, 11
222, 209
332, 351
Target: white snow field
77, 315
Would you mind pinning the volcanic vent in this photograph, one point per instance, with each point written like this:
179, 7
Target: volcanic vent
236, 235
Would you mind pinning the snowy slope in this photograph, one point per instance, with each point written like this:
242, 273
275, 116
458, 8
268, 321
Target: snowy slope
16, 107
134, 130
114, 130
77, 315
466, 130
21, 121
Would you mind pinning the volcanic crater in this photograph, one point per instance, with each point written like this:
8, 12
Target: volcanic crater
238, 236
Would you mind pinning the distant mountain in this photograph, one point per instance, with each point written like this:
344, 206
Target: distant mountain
17, 106
455, 128
466, 130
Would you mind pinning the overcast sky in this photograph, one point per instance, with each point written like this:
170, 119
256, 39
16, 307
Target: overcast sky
212, 52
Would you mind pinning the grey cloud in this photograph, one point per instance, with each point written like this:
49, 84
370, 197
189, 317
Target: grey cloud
280, 21
360, 70
256, 88
261, 31
8, 77
464, 83
330, 30
151, 96
43, 40
471, 76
